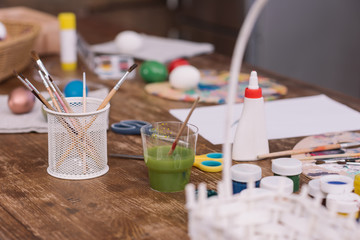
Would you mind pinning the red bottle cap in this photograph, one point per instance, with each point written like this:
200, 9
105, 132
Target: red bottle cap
253, 93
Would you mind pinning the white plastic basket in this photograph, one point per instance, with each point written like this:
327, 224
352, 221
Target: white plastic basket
78, 141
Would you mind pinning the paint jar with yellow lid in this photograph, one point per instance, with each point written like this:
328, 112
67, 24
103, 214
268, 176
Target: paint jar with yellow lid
344, 204
357, 184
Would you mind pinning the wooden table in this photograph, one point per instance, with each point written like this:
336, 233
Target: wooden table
120, 204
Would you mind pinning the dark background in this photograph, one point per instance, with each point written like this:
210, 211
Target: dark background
313, 41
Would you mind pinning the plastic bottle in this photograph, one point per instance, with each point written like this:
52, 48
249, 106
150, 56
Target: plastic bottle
250, 137
68, 41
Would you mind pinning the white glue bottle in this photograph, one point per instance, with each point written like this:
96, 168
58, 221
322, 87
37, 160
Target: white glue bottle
250, 137
68, 41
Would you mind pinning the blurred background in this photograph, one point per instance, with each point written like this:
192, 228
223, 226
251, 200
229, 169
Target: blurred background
312, 41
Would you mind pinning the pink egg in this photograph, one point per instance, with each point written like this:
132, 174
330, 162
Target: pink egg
21, 100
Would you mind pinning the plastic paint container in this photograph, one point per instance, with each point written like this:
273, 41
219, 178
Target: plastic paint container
336, 184
274, 183
242, 174
288, 167
357, 184
315, 190
344, 204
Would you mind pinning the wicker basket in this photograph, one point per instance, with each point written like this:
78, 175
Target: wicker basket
15, 49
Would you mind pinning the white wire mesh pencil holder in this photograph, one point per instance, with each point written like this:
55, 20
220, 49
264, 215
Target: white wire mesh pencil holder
77, 141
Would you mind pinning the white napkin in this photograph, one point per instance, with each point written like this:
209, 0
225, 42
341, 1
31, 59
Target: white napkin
159, 49
33, 121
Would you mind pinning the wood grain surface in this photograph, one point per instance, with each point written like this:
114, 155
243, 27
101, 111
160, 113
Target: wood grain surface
120, 204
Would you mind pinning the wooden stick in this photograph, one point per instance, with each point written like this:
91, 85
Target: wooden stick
84, 92
331, 156
307, 150
84, 111
183, 126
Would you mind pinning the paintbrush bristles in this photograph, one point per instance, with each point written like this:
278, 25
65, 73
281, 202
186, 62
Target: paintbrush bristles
132, 67
118, 84
34, 55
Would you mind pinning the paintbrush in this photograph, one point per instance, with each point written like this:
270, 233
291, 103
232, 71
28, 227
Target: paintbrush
116, 87
183, 126
57, 91
49, 91
343, 161
32, 88
330, 156
308, 150
37, 94
53, 89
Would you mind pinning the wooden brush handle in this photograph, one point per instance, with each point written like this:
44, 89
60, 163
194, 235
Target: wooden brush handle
299, 151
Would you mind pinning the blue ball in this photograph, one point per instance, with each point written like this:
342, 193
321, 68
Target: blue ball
74, 89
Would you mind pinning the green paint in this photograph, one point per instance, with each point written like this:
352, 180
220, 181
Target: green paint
169, 173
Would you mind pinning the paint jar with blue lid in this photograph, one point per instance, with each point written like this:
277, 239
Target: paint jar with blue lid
277, 183
288, 167
242, 174
347, 204
336, 184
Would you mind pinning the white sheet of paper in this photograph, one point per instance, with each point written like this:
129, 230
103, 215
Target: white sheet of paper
159, 48
285, 118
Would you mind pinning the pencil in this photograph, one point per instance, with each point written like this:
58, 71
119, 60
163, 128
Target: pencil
183, 126
307, 150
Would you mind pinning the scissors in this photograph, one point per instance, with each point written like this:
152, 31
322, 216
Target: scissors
128, 127
211, 162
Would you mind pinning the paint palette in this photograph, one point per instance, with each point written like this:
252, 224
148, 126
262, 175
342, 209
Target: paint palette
213, 88
313, 170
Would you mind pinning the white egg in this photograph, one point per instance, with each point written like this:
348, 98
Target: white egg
3, 31
128, 41
184, 77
